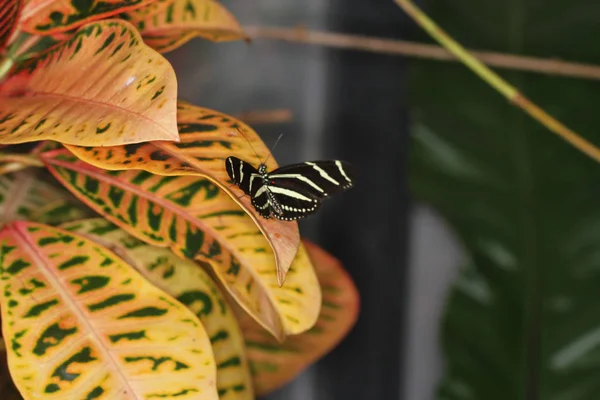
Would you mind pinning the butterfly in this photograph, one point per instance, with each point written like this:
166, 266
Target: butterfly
293, 191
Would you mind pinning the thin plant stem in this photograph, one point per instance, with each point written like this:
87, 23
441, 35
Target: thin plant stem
494, 80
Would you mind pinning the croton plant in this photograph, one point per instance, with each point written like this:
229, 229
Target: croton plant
131, 266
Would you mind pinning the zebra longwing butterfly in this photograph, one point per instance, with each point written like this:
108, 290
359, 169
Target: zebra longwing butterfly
291, 192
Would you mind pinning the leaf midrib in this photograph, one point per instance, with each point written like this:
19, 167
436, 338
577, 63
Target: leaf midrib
73, 99
46, 269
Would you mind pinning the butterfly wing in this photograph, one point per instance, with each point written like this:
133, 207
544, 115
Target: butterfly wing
290, 204
317, 179
247, 178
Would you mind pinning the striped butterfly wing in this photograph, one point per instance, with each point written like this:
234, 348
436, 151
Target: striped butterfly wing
319, 179
299, 188
247, 178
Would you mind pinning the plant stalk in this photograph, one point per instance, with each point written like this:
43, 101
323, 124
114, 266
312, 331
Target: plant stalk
494, 80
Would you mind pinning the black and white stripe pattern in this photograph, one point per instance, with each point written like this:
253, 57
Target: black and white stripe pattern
291, 192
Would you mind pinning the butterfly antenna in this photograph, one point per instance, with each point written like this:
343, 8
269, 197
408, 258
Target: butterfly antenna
273, 149
252, 147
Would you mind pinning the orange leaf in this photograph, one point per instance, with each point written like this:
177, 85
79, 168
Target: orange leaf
274, 364
45, 17
208, 137
183, 20
9, 15
102, 87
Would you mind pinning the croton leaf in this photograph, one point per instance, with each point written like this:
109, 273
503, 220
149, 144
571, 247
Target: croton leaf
81, 323
103, 86
25, 195
45, 17
195, 219
208, 137
274, 364
192, 286
183, 20
9, 16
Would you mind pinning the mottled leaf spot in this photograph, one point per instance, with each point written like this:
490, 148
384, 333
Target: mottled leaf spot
95, 393
15, 345
130, 336
141, 177
56, 239
111, 301
232, 362
17, 266
52, 336
101, 130
72, 262
189, 298
168, 395
65, 373
145, 312
155, 214
115, 195
234, 267
91, 185
194, 239
38, 309
52, 388
158, 361
219, 336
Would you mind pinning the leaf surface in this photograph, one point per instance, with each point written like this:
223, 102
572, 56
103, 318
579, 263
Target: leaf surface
45, 17
102, 87
25, 195
192, 286
197, 220
9, 17
208, 137
522, 319
183, 20
81, 323
273, 363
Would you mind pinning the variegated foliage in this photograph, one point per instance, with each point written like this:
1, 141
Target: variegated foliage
208, 137
9, 16
178, 21
81, 323
192, 286
273, 363
45, 17
197, 220
28, 196
103, 87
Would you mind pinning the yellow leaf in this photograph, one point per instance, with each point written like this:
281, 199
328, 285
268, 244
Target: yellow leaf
192, 286
275, 364
197, 220
101, 87
81, 323
181, 20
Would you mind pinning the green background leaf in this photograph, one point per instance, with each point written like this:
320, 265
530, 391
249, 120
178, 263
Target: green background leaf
522, 319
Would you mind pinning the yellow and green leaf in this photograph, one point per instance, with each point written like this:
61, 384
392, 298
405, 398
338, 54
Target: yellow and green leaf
192, 286
208, 137
81, 323
9, 16
275, 364
197, 220
27, 196
102, 87
183, 20
46, 17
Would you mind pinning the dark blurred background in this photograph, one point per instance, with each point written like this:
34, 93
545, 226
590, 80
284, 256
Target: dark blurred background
349, 105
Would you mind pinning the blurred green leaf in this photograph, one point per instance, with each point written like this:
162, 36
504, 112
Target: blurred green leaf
523, 316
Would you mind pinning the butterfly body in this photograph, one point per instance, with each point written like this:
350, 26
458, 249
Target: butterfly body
290, 192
